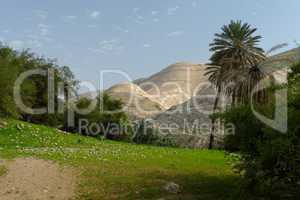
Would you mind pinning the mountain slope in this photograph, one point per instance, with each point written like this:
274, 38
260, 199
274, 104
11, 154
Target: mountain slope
176, 83
194, 111
150, 96
137, 102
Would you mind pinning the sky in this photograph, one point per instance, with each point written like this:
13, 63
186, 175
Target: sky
138, 37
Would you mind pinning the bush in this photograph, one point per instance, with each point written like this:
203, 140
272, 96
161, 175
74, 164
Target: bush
146, 133
34, 90
113, 123
270, 160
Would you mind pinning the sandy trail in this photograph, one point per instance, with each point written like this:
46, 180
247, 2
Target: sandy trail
33, 179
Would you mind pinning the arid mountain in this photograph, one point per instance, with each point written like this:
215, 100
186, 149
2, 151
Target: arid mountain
172, 86
192, 116
180, 98
189, 123
277, 65
136, 101
175, 84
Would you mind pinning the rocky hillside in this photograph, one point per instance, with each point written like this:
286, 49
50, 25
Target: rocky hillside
180, 98
172, 86
277, 64
137, 102
175, 84
189, 122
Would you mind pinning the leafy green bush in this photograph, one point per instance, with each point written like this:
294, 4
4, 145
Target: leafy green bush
147, 134
270, 160
34, 90
111, 121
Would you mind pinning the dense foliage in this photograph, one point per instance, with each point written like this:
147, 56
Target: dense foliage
146, 133
235, 61
234, 69
34, 92
270, 161
106, 120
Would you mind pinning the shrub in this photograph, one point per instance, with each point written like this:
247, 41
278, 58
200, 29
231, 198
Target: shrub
270, 160
112, 121
34, 90
146, 133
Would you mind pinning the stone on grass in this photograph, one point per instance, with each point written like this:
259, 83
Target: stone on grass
20, 127
172, 187
3, 124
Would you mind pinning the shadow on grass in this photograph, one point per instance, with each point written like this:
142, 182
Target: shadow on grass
192, 186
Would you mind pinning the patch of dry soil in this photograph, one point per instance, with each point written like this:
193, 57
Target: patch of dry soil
33, 179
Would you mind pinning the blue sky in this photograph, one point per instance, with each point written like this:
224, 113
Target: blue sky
139, 37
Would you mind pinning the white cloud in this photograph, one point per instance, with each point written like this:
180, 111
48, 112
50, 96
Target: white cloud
34, 43
44, 29
138, 19
108, 46
16, 44
95, 14
175, 33
69, 18
172, 11
119, 28
147, 45
194, 4
156, 20
42, 14
6, 31
38, 38
154, 12
72, 17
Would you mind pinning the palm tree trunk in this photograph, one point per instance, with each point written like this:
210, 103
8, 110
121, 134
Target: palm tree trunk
233, 99
213, 120
66, 99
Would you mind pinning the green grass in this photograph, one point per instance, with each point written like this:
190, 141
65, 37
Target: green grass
115, 170
2, 170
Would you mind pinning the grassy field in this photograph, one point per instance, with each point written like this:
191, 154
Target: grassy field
114, 170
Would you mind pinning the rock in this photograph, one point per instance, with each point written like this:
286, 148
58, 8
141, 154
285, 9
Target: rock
63, 132
172, 188
20, 127
3, 124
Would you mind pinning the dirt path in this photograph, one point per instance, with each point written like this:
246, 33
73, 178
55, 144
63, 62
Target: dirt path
32, 179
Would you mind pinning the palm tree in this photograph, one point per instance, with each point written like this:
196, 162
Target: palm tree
215, 76
236, 46
235, 53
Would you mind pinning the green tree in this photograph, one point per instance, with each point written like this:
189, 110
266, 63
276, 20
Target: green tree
235, 60
8, 73
107, 115
34, 90
270, 160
